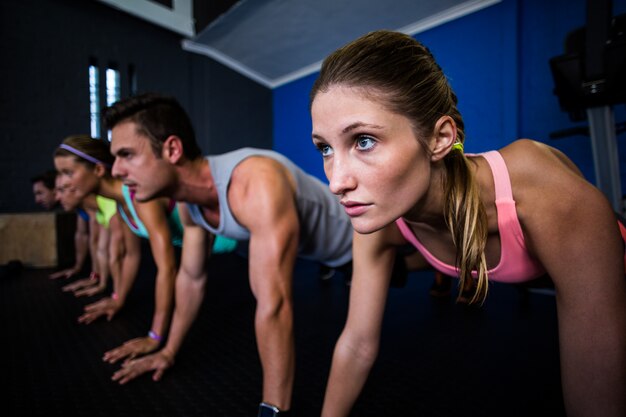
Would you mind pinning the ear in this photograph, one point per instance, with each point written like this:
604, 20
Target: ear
100, 170
172, 149
444, 136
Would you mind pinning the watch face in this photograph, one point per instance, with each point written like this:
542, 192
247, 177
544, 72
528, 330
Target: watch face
267, 410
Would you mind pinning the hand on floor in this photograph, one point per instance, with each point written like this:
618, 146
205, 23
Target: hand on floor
131, 369
79, 284
131, 349
105, 307
66, 273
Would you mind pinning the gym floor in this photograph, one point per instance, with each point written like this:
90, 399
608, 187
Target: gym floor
437, 358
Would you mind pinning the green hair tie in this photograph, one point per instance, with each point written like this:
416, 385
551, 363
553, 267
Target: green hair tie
458, 146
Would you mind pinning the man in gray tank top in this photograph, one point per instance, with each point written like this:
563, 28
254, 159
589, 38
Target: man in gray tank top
249, 194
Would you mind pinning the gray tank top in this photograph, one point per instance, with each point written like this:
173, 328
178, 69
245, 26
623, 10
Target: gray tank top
325, 229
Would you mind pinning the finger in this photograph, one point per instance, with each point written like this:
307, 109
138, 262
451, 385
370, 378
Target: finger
130, 375
87, 318
158, 374
97, 306
113, 358
118, 375
56, 275
91, 307
110, 355
80, 293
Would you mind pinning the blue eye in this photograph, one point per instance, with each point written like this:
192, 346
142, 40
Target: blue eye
365, 143
325, 150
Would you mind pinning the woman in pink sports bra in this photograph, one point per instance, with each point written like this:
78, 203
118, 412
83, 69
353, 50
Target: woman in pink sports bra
387, 125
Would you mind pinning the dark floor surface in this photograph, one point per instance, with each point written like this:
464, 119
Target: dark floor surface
437, 358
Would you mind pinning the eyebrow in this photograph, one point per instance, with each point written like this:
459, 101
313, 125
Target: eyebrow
351, 127
357, 125
118, 151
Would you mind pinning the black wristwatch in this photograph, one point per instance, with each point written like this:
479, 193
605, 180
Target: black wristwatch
269, 410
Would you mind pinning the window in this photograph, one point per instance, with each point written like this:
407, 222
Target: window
94, 99
113, 89
109, 94
113, 85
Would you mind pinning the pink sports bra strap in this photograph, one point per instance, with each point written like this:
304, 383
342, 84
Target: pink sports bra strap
500, 175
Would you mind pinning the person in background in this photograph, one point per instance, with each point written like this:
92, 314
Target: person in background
250, 195
43, 189
87, 162
99, 238
46, 195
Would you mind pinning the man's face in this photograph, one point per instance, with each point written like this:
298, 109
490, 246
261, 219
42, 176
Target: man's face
44, 196
137, 165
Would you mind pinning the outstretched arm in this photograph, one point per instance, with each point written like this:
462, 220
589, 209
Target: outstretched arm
100, 248
125, 255
153, 215
357, 347
571, 228
99, 238
190, 284
81, 247
263, 201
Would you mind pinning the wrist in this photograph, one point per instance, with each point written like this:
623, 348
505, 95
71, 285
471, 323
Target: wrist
115, 296
270, 410
169, 355
155, 336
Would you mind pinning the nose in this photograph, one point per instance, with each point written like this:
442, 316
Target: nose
116, 169
340, 177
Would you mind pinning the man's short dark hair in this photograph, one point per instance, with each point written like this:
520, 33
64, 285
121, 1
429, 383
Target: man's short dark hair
157, 117
48, 178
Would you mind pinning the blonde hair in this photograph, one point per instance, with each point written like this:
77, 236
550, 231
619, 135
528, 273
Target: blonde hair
404, 75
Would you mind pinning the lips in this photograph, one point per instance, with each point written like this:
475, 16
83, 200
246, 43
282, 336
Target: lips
354, 208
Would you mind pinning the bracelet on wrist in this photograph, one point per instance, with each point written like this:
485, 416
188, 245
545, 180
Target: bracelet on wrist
155, 336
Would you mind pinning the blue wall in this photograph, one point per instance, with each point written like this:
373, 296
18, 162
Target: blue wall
497, 63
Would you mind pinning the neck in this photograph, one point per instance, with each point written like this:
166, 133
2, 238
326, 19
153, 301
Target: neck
428, 212
195, 183
89, 202
111, 188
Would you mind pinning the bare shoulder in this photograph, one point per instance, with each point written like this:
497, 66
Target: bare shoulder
527, 154
258, 172
547, 186
533, 165
261, 189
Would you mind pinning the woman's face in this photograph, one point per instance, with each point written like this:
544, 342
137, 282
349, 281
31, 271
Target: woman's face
82, 177
372, 157
66, 194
